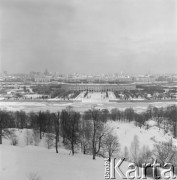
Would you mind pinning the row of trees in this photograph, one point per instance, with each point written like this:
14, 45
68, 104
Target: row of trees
87, 131
164, 116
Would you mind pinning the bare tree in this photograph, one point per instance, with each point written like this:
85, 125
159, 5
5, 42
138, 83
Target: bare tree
56, 118
64, 117
21, 119
49, 140
43, 122
39, 120
110, 145
145, 155
14, 140
172, 113
129, 114
5, 123
165, 152
85, 136
72, 129
126, 153
97, 130
28, 137
134, 149
104, 115
36, 137
115, 114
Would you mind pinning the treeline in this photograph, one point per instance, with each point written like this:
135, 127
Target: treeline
87, 131
52, 90
164, 116
151, 89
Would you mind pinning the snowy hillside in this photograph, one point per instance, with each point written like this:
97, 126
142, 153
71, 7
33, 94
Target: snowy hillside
126, 132
47, 164
26, 160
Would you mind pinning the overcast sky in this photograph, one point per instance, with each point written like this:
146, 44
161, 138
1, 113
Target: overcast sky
89, 36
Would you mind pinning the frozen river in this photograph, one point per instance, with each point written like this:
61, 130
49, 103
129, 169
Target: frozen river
78, 106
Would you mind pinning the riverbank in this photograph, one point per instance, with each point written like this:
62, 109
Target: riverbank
36, 106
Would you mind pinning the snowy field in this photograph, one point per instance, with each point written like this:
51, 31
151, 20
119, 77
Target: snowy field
47, 164
21, 161
92, 97
78, 106
126, 132
27, 161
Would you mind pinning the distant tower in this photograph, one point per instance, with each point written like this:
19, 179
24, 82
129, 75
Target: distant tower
46, 73
5, 73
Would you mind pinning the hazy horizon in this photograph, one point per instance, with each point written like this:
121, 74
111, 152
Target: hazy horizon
89, 36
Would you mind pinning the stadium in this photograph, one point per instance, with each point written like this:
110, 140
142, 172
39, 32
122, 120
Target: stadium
97, 87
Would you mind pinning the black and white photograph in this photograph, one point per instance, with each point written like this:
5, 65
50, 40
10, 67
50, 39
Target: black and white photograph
88, 89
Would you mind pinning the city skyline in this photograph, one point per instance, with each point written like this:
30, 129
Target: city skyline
89, 36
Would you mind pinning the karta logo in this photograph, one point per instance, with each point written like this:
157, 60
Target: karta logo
133, 171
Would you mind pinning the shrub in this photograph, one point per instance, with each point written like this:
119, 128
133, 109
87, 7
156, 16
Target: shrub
14, 141
36, 137
49, 140
28, 138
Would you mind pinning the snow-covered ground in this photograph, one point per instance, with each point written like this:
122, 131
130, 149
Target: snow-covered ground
19, 162
127, 131
95, 97
112, 95
23, 162
80, 96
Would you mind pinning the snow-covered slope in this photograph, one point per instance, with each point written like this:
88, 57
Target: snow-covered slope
127, 131
19, 162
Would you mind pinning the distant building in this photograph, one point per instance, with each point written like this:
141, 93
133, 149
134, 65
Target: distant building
145, 79
15, 91
36, 96
43, 79
46, 73
97, 87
